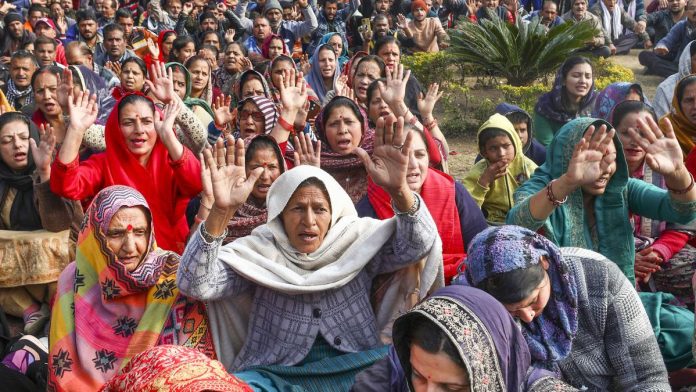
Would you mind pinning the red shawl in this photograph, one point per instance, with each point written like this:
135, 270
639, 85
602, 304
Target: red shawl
157, 181
438, 194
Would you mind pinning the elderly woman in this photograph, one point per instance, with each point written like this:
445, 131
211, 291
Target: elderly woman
432, 352
119, 297
683, 114
306, 276
27, 205
580, 316
144, 153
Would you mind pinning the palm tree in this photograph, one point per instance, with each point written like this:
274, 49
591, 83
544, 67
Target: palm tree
521, 53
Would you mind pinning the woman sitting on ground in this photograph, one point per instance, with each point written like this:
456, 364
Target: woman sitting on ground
144, 153
456, 214
683, 104
119, 297
581, 317
664, 259
26, 205
431, 350
571, 96
314, 258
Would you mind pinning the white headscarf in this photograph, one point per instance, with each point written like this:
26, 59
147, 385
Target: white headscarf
267, 258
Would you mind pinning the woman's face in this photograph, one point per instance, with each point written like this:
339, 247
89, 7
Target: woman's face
632, 151
337, 44
267, 159
132, 77
532, 306
436, 372
307, 218
598, 187
275, 48
279, 69
46, 94
138, 128
353, 68
252, 88
377, 108
179, 80
14, 145
327, 63
128, 236
579, 81
343, 130
185, 53
688, 102
418, 162
367, 72
200, 75
167, 45
233, 57
390, 54
251, 120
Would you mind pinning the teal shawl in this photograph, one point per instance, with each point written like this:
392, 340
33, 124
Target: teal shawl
567, 225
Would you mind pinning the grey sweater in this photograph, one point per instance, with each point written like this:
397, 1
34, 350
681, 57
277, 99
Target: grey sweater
615, 347
283, 327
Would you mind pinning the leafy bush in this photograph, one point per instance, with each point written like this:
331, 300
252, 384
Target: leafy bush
524, 96
607, 72
523, 53
434, 67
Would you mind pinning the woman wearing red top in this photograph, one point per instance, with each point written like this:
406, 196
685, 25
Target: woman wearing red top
142, 152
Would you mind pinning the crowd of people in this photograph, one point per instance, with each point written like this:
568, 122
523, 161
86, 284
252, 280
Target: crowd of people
256, 196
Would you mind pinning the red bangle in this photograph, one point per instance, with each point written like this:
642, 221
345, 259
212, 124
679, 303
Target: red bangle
286, 125
552, 198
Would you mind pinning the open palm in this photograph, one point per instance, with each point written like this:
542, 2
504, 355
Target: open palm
228, 180
589, 159
393, 91
43, 153
662, 151
83, 109
160, 83
389, 162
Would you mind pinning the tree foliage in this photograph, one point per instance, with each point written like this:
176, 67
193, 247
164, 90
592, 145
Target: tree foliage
520, 53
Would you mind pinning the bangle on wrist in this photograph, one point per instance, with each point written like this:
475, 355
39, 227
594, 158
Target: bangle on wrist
209, 238
552, 198
685, 190
286, 125
430, 125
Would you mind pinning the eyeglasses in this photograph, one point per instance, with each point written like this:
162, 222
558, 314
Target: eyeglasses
256, 116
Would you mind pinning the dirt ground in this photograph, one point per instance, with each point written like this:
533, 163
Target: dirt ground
463, 149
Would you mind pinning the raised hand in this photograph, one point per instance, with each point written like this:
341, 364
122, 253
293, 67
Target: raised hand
388, 165
427, 101
165, 126
228, 180
187, 8
401, 22
305, 65
393, 91
82, 109
662, 151
43, 153
293, 93
305, 153
153, 48
590, 157
229, 35
221, 110
160, 83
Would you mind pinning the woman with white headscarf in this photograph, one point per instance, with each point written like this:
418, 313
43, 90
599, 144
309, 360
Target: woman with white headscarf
292, 300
